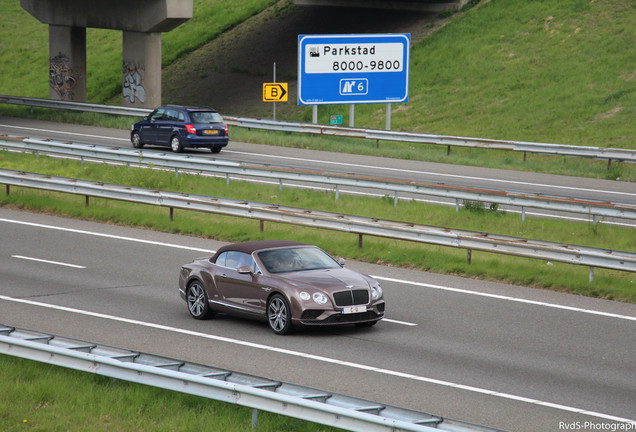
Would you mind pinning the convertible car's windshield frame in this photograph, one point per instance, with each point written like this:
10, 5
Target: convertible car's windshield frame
296, 259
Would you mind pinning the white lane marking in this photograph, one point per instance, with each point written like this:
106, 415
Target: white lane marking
63, 132
439, 287
154, 243
48, 262
437, 174
111, 236
508, 298
364, 367
322, 162
399, 322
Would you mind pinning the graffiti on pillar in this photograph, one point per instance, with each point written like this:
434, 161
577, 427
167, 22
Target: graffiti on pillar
62, 79
134, 83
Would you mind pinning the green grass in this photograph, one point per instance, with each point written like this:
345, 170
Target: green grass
24, 49
545, 71
607, 284
556, 72
559, 71
40, 397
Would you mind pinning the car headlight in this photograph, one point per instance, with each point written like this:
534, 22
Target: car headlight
376, 292
304, 295
320, 298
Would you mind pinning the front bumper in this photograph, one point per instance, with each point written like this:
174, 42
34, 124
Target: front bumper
317, 317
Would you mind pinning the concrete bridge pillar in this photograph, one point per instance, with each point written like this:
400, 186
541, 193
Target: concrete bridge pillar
141, 69
67, 63
142, 22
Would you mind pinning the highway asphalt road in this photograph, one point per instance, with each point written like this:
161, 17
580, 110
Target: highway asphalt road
525, 182
504, 356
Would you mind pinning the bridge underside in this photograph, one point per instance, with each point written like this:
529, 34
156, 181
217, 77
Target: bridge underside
417, 5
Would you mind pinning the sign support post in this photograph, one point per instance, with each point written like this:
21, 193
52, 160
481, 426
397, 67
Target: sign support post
351, 114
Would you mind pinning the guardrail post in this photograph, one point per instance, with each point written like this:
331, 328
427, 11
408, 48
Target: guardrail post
227, 179
280, 185
359, 241
337, 192
395, 199
591, 274
456, 205
262, 225
86, 201
523, 214
171, 214
469, 256
254, 418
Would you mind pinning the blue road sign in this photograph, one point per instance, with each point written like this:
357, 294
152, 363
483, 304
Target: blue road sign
346, 69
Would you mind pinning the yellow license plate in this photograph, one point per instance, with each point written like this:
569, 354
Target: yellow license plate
211, 132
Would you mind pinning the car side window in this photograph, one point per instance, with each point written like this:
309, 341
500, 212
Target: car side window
157, 115
220, 260
181, 116
236, 259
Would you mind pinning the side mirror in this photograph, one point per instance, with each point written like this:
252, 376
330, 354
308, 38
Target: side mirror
341, 261
244, 270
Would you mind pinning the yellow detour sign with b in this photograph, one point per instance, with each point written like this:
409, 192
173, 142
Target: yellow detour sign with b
275, 92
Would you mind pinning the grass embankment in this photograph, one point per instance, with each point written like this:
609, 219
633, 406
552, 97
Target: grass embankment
24, 47
556, 72
39, 397
562, 71
606, 284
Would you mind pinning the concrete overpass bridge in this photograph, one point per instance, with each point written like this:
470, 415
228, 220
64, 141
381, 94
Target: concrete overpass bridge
142, 22
417, 5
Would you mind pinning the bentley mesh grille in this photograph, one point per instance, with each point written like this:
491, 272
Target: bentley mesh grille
351, 298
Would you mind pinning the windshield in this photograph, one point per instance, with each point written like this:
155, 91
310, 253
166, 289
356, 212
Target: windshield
296, 259
206, 117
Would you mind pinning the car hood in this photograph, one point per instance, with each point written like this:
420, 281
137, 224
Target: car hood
336, 279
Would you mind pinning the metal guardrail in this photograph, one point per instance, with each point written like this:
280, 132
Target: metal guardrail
469, 240
190, 163
74, 106
623, 155
223, 385
609, 154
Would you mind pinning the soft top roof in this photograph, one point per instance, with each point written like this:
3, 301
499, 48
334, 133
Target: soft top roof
251, 246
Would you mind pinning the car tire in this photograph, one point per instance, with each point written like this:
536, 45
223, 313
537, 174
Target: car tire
135, 139
197, 300
216, 148
175, 144
279, 315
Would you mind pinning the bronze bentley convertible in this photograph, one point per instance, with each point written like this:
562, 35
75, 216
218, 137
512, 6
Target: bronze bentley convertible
285, 283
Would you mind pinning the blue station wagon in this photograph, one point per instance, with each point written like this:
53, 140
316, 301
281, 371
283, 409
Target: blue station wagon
180, 127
